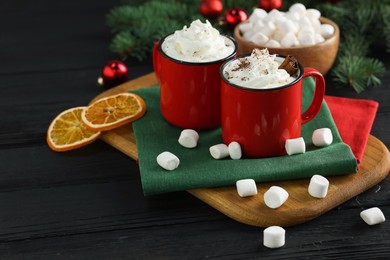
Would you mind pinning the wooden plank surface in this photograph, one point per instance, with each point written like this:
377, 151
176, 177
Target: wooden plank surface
299, 208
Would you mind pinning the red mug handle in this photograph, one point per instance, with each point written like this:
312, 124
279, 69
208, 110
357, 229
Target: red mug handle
156, 60
319, 93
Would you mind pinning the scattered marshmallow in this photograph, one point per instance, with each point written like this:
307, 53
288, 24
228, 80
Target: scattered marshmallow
234, 149
295, 146
302, 23
372, 216
275, 196
274, 237
322, 137
219, 151
246, 187
189, 138
168, 160
318, 186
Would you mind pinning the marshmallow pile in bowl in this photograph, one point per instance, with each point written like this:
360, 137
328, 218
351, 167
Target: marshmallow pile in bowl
297, 27
303, 33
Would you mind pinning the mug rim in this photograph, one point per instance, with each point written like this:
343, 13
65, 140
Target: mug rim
198, 63
299, 77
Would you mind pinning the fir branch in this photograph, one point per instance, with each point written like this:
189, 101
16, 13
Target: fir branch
386, 25
353, 45
248, 6
358, 72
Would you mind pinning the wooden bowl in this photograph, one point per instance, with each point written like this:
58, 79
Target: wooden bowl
320, 56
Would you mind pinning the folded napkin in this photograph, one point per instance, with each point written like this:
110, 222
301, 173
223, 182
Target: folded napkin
354, 119
198, 169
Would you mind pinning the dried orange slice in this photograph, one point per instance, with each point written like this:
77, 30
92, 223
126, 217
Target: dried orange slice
67, 132
113, 111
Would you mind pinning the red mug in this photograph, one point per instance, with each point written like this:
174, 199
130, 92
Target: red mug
190, 92
261, 120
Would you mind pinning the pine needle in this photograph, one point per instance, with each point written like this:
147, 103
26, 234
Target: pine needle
358, 72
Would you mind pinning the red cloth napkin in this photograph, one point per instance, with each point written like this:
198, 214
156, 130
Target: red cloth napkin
354, 119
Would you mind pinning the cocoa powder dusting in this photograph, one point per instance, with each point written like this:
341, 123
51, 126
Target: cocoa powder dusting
243, 64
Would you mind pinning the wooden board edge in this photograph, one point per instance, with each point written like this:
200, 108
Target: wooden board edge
147, 80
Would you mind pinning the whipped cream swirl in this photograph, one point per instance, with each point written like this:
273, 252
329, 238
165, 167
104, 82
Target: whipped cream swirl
259, 71
198, 43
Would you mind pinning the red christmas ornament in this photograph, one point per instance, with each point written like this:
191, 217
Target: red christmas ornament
211, 9
268, 5
113, 73
235, 16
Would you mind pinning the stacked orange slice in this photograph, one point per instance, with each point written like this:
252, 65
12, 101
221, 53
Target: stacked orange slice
67, 132
80, 126
113, 111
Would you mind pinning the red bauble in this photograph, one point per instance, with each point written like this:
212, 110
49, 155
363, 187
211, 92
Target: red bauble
235, 16
113, 73
211, 9
268, 5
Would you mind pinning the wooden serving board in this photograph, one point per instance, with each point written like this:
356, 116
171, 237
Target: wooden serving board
300, 206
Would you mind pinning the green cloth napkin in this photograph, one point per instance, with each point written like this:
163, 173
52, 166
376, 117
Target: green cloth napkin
198, 169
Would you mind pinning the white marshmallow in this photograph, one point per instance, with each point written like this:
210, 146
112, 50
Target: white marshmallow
318, 38
372, 216
289, 40
257, 14
265, 28
273, 15
234, 149
168, 160
295, 146
274, 237
272, 44
298, 8
304, 22
257, 25
305, 30
326, 30
322, 137
277, 36
318, 186
306, 39
259, 38
245, 27
313, 13
247, 35
246, 187
316, 24
275, 196
219, 151
293, 16
287, 27
189, 138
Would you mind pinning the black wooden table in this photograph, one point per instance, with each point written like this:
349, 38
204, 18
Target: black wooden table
88, 203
